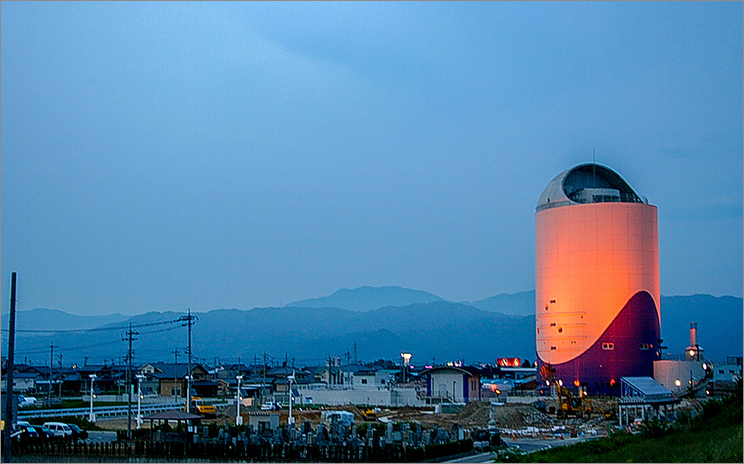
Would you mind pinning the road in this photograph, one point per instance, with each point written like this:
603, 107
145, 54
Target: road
528, 445
475, 458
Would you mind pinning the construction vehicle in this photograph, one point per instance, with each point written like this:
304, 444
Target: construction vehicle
570, 406
369, 414
608, 415
198, 406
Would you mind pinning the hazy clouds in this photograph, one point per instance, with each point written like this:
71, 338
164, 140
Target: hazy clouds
169, 155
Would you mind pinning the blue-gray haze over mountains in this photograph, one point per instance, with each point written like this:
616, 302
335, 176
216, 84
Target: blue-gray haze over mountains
404, 320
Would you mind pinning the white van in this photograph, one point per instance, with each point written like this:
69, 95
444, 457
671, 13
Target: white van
59, 430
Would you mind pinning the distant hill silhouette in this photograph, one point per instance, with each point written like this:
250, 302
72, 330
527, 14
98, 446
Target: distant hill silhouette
368, 298
54, 319
430, 329
520, 304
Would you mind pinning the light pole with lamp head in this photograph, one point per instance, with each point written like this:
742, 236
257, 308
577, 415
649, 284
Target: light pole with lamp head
291, 378
140, 378
238, 417
92, 416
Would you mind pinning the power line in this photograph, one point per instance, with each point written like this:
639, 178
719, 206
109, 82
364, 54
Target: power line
98, 329
94, 345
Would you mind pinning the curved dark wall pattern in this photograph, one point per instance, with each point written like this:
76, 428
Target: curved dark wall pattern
636, 324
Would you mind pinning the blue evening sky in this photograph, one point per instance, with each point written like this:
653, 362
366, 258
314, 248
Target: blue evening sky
159, 156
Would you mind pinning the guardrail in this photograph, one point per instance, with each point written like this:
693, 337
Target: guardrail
105, 411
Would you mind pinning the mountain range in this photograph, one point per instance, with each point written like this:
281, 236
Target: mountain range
381, 322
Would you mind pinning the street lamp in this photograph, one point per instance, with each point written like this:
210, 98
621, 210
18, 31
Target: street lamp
291, 379
140, 378
406, 362
92, 416
238, 417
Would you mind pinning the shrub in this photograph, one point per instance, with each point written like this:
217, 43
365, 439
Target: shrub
655, 428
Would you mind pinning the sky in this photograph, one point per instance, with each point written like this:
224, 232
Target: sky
164, 156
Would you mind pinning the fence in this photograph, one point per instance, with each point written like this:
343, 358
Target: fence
111, 411
238, 452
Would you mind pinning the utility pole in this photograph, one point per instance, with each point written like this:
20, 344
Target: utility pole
52, 346
60, 377
9, 398
130, 336
188, 372
356, 353
175, 377
189, 321
263, 381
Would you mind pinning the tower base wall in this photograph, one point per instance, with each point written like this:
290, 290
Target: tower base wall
634, 337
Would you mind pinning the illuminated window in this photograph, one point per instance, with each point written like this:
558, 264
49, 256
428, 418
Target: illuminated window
608, 346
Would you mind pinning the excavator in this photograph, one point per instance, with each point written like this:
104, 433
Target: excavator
579, 407
570, 406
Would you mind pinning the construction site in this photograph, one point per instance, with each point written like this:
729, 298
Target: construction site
522, 416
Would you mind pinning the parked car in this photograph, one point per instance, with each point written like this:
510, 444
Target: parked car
78, 433
59, 430
271, 406
26, 401
24, 433
43, 432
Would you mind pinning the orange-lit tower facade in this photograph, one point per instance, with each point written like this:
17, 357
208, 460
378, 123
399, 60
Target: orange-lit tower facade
597, 280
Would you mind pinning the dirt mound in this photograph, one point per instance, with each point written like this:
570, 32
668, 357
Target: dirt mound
474, 412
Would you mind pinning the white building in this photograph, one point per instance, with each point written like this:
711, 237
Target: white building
449, 384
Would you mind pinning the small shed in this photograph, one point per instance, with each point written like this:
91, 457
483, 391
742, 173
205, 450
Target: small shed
172, 415
643, 398
452, 384
264, 422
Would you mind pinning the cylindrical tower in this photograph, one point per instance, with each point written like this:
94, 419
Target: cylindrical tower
597, 280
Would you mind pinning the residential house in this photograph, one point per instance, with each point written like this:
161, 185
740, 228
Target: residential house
169, 379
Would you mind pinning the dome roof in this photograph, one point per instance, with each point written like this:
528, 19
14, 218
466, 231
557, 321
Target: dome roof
587, 183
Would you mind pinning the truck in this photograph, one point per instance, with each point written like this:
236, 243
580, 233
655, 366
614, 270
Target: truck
198, 406
26, 401
369, 415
